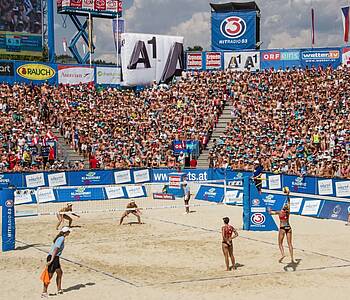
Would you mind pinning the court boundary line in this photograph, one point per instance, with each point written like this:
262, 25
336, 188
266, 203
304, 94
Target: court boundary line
244, 276
250, 239
84, 266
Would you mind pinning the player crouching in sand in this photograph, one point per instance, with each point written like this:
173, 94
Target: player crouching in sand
131, 208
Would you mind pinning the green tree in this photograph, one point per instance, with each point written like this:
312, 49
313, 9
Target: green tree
195, 48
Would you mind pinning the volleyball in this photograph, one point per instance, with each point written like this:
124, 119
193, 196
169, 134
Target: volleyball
286, 189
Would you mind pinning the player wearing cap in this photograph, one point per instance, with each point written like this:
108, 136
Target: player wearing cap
53, 260
187, 196
228, 233
61, 216
131, 208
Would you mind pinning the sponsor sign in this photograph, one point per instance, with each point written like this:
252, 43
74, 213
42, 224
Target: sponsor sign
335, 210
161, 196
325, 187
321, 57
346, 56
122, 176
295, 205
76, 3
141, 176
342, 188
23, 197
275, 182
311, 207
6, 69
114, 192
91, 178
194, 60
35, 180
100, 4
280, 55
57, 179
212, 60
147, 58
233, 30
81, 193
175, 181
257, 219
111, 5
36, 72
299, 183
231, 196
211, 194
45, 195
108, 75
75, 75
8, 220
242, 61
88, 4
258, 209
135, 191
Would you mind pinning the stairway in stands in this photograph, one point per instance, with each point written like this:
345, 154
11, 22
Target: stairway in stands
65, 152
218, 131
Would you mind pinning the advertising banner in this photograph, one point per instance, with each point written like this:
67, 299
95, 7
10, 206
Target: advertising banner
87, 4
118, 28
21, 28
210, 193
108, 75
75, 75
80, 194
274, 182
233, 30
346, 56
45, 195
325, 187
342, 188
147, 58
213, 60
57, 179
279, 59
8, 220
162, 196
321, 57
6, 69
95, 177
103, 7
141, 176
114, 192
135, 191
242, 61
35, 72
35, 180
23, 197
122, 176
335, 210
311, 207
194, 60
188, 146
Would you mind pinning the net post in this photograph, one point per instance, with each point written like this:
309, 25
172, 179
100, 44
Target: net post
246, 203
8, 219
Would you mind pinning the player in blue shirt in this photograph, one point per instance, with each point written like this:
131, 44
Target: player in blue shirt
53, 260
257, 176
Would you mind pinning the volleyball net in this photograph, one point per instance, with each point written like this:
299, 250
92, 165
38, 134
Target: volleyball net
47, 201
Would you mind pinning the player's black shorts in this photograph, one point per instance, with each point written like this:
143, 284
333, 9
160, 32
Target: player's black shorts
54, 265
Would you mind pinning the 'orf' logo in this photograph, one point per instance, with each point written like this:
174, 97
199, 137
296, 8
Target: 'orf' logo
258, 219
9, 203
233, 27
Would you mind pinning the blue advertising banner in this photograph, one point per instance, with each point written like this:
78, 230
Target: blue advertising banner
95, 177
189, 146
335, 210
259, 218
210, 193
233, 30
279, 59
321, 57
79, 194
8, 219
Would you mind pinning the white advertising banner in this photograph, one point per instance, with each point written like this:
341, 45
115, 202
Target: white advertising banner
114, 192
45, 195
194, 61
122, 176
231, 196
311, 207
325, 187
23, 197
242, 61
134, 191
342, 188
295, 204
274, 182
346, 56
35, 180
149, 57
57, 179
141, 176
108, 75
72, 75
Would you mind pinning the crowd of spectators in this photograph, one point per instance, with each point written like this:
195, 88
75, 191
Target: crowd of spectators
294, 122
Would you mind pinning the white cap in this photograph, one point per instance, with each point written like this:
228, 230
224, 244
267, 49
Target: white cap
66, 229
256, 162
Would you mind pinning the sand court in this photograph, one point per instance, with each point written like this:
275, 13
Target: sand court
174, 255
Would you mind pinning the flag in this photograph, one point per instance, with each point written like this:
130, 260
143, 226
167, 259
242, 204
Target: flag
345, 16
312, 26
118, 28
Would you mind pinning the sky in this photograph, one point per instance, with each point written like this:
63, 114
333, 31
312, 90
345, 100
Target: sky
284, 23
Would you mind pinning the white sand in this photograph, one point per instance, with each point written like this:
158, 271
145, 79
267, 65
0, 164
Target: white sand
163, 260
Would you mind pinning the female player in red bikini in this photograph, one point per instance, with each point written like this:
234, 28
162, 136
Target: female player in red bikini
285, 228
227, 246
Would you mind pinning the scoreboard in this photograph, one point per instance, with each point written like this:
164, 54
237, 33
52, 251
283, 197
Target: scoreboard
98, 8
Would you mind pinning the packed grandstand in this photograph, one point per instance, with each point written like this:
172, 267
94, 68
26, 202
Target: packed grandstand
293, 121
